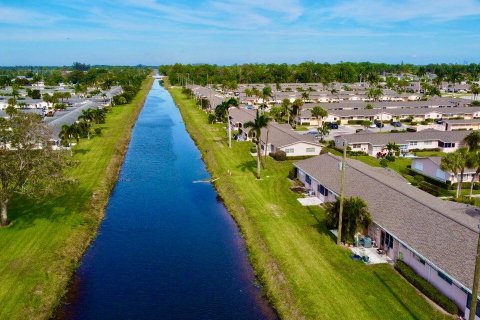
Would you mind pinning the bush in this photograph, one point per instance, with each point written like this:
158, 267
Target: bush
419, 178
98, 131
279, 155
355, 122
476, 103
211, 118
466, 200
384, 163
356, 153
390, 158
411, 129
253, 149
426, 287
292, 174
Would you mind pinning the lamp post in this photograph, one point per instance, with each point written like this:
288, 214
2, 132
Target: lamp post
342, 191
474, 298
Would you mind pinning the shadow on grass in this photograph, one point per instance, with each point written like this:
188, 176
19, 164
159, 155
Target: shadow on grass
249, 166
24, 213
397, 297
320, 226
80, 151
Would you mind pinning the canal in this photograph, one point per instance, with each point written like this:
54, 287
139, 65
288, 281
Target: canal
168, 248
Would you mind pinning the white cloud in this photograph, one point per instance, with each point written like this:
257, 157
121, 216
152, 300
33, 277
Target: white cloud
372, 11
15, 16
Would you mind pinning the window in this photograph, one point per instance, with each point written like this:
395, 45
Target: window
308, 179
427, 142
412, 143
442, 144
444, 277
323, 191
289, 150
388, 240
356, 146
310, 150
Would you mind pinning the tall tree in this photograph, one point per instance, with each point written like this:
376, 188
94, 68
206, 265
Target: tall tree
356, 217
472, 140
319, 113
455, 162
473, 161
28, 165
260, 122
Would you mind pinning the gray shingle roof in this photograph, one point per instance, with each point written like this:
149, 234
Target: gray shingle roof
378, 139
441, 231
279, 135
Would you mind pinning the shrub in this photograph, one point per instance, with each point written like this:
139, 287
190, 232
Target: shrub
411, 129
384, 163
211, 118
279, 155
466, 200
356, 153
253, 149
419, 178
292, 174
426, 287
390, 158
98, 131
476, 103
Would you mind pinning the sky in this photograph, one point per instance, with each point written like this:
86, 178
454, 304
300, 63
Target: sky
153, 32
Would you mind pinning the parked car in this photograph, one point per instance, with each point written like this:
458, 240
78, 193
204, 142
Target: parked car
373, 125
396, 124
440, 121
379, 124
333, 125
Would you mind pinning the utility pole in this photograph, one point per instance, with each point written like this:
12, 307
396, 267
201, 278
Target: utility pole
342, 191
474, 298
229, 131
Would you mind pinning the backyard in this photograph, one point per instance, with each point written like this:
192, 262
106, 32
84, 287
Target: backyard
305, 274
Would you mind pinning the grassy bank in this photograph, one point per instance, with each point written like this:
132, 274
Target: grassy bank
41, 250
305, 274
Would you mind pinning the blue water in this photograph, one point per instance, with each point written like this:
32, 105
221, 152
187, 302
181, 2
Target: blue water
168, 249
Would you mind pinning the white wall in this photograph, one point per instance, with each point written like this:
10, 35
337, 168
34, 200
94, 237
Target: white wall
300, 149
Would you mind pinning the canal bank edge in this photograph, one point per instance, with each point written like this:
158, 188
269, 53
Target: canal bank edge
274, 283
80, 240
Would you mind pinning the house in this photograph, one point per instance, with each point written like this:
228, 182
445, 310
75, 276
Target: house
462, 124
437, 238
430, 167
372, 143
275, 136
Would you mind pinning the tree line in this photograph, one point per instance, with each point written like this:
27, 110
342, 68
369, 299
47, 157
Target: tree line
308, 72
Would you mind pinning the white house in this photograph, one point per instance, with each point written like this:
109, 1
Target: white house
437, 238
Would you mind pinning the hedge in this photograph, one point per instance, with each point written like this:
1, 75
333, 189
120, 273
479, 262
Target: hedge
426, 287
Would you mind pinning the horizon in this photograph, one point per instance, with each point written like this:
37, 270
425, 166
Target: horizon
148, 32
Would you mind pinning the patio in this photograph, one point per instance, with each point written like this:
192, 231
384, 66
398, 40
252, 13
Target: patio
373, 256
310, 201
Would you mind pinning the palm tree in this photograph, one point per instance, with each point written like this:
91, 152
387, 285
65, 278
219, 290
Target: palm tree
455, 162
297, 106
473, 161
260, 122
319, 113
475, 89
305, 96
356, 217
392, 148
472, 140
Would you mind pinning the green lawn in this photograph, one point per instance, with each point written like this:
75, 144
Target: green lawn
305, 274
42, 247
